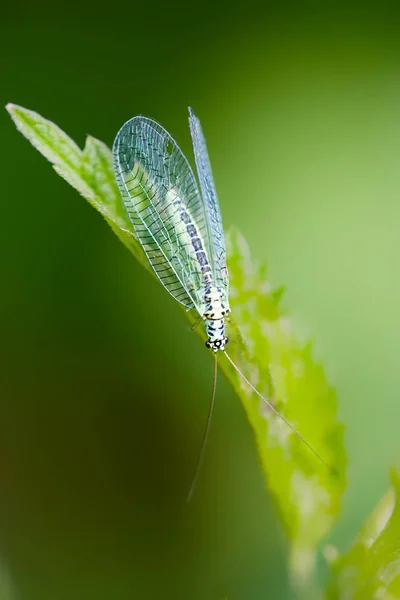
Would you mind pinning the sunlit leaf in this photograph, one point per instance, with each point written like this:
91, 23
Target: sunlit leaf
371, 569
54, 144
305, 492
88, 171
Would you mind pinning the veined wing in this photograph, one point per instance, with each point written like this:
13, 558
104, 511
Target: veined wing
155, 181
215, 230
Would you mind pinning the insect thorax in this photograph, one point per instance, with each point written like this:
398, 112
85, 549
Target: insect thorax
216, 309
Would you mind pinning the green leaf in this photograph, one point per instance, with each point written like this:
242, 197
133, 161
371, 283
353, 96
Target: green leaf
262, 344
371, 569
54, 144
306, 493
88, 171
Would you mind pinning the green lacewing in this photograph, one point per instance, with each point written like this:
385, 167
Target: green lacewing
179, 226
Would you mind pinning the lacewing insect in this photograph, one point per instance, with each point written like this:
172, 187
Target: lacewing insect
179, 227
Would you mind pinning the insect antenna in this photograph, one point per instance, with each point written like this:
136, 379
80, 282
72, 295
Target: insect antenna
206, 432
279, 415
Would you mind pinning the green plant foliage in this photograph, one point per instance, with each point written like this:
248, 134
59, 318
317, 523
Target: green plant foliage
306, 493
371, 569
88, 171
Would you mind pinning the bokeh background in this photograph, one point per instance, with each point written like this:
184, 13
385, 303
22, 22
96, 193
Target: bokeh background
104, 390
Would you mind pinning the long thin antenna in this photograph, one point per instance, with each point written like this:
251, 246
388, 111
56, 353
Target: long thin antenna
278, 413
206, 431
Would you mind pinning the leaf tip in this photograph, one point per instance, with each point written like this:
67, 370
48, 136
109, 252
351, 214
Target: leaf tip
13, 110
10, 107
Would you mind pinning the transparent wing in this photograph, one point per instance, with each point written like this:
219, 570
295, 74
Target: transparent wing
215, 230
155, 180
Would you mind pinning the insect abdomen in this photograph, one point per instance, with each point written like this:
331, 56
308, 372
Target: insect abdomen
189, 235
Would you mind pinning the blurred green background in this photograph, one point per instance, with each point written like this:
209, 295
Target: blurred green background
104, 389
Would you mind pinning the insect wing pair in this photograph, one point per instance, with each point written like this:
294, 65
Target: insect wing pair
178, 225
